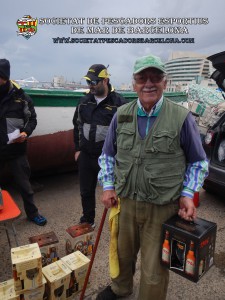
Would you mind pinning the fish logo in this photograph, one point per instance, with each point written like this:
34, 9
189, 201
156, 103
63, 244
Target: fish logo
27, 26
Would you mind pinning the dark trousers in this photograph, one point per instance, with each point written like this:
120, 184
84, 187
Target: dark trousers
20, 169
88, 174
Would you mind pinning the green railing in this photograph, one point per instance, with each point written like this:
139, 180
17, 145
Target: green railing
67, 98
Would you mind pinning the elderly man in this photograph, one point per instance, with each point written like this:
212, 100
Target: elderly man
151, 165
91, 121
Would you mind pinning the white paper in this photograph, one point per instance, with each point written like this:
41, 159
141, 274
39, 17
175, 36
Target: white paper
13, 135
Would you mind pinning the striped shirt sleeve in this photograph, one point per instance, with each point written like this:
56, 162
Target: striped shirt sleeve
106, 173
194, 177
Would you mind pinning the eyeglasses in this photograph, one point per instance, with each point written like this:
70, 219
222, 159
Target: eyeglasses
154, 78
93, 82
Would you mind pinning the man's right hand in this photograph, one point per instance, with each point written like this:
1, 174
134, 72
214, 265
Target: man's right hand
109, 198
76, 155
187, 209
21, 139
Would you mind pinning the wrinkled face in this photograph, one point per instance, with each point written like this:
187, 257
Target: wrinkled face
98, 87
149, 85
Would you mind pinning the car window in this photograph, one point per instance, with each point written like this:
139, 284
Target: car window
221, 151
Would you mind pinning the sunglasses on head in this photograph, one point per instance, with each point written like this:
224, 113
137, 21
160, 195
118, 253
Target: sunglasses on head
154, 78
93, 82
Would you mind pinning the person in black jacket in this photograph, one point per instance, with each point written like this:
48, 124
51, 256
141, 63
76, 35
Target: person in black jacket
18, 119
91, 121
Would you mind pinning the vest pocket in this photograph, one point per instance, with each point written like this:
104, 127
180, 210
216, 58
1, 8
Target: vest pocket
163, 141
122, 178
125, 139
165, 185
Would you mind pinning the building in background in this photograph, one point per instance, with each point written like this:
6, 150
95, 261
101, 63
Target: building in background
58, 81
184, 68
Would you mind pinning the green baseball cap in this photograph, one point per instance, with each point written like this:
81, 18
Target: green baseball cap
149, 61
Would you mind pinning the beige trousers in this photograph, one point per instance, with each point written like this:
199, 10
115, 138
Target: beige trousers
140, 226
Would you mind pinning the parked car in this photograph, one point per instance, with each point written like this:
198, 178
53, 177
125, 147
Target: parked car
214, 142
214, 145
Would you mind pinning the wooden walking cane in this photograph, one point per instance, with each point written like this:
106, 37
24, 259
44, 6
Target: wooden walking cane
93, 253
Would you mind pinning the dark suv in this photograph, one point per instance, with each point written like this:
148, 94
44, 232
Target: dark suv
214, 143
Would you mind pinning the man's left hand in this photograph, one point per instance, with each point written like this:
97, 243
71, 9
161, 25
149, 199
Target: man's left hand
187, 209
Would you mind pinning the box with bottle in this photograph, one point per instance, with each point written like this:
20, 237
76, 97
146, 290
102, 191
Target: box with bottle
78, 264
48, 243
57, 275
7, 290
27, 267
80, 238
188, 247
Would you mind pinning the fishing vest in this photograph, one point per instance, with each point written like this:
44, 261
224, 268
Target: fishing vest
150, 169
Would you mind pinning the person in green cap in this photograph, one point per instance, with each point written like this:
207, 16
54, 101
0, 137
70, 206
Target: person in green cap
151, 165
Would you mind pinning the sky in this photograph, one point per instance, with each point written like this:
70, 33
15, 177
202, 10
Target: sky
43, 59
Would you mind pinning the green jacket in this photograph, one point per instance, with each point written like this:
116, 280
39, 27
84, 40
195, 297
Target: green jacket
150, 169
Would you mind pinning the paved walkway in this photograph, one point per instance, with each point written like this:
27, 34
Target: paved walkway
59, 201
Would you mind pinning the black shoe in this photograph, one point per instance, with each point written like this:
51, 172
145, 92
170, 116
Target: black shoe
107, 294
93, 225
85, 221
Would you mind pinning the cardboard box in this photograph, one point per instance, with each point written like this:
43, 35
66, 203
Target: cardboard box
47, 243
188, 247
80, 238
27, 267
78, 264
7, 291
58, 276
36, 294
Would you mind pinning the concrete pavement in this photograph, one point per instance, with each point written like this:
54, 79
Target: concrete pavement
59, 201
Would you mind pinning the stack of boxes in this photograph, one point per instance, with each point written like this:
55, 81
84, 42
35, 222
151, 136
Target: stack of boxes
28, 281
60, 279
